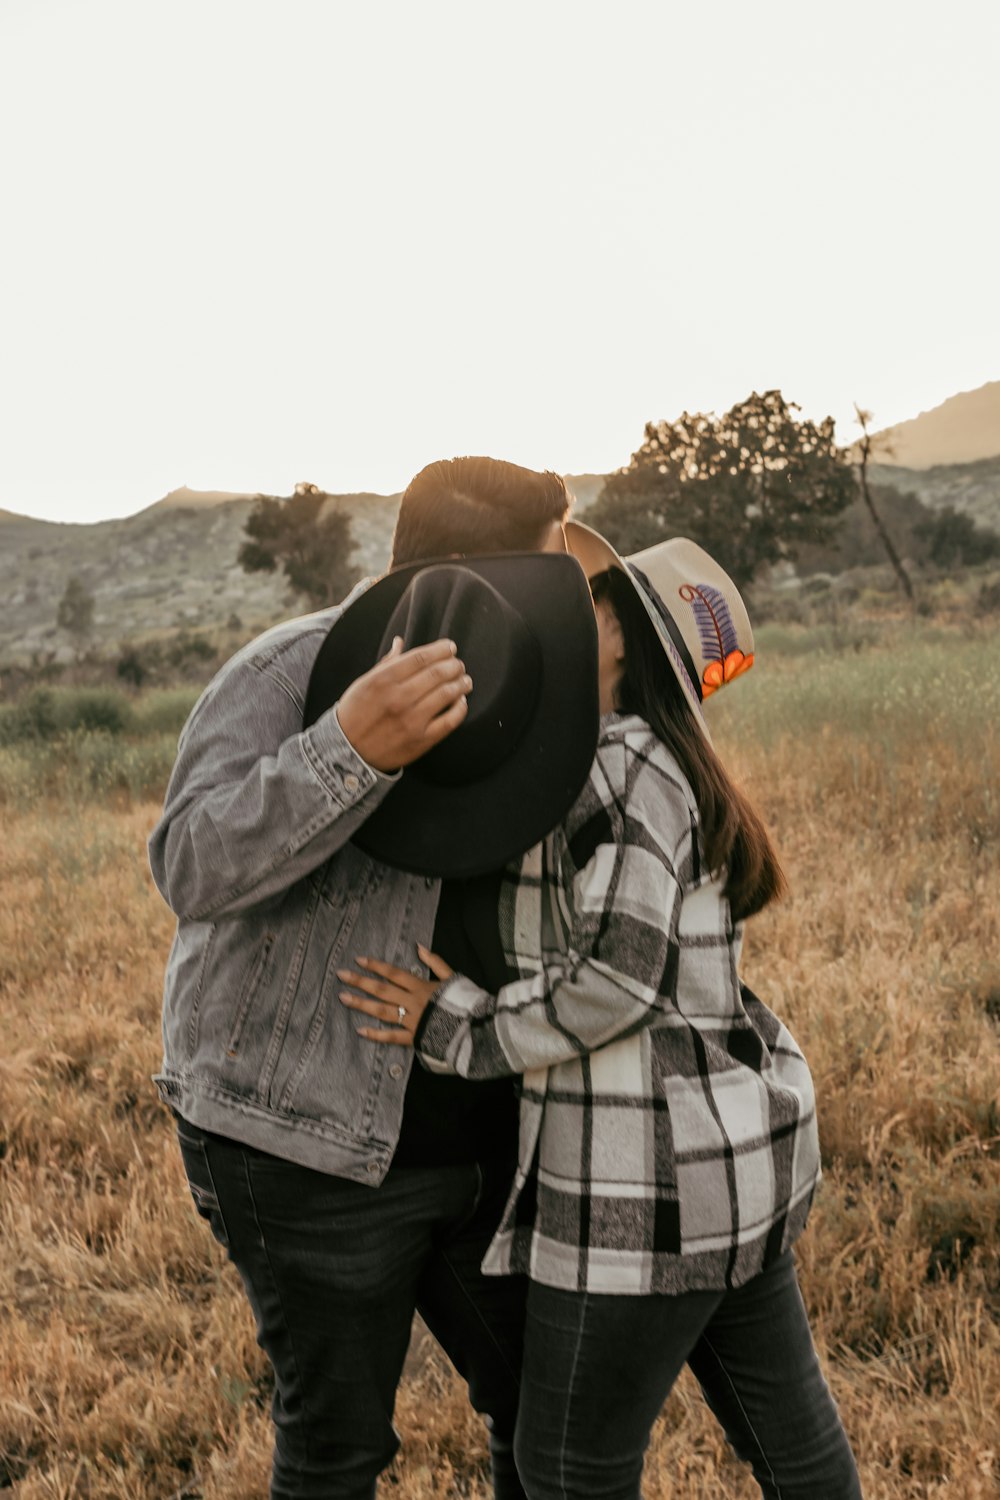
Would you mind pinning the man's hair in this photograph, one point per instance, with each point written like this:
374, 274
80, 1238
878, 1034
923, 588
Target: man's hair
471, 505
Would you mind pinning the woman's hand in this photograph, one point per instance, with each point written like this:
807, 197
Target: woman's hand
397, 996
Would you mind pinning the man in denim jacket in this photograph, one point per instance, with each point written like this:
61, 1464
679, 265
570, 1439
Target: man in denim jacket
293, 1129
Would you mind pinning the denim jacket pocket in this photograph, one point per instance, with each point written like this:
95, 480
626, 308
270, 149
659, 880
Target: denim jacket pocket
328, 1018
249, 988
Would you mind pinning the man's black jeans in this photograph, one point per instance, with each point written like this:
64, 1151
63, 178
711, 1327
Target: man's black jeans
334, 1270
598, 1368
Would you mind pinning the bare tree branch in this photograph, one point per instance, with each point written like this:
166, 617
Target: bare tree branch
864, 448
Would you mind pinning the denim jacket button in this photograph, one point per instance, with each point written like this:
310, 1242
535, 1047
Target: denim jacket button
373, 1167
351, 782
396, 1071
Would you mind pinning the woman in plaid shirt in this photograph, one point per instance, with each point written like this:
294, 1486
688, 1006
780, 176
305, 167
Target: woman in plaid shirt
668, 1150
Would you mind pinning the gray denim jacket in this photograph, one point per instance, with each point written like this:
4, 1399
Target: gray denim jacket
253, 855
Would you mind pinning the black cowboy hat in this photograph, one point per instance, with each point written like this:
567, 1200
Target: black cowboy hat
525, 628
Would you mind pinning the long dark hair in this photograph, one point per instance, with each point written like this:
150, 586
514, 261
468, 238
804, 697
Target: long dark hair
734, 834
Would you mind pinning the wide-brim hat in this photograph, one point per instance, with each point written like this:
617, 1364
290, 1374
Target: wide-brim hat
695, 608
525, 628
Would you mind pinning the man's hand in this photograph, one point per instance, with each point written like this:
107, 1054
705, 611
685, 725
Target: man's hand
407, 703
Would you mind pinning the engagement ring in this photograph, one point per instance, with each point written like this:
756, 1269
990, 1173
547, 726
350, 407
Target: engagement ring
401, 1012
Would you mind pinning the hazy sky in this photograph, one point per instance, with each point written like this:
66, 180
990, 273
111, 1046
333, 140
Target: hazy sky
248, 243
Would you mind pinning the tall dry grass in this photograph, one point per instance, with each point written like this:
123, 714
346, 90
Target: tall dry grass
127, 1361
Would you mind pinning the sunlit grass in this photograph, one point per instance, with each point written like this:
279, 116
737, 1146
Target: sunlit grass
898, 682
128, 1367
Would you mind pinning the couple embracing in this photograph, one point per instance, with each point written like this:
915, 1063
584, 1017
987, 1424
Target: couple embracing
453, 1021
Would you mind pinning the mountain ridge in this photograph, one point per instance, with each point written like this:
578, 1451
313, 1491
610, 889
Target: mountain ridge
172, 566
167, 567
963, 429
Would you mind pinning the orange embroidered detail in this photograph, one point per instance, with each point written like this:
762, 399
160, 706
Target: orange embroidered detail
719, 672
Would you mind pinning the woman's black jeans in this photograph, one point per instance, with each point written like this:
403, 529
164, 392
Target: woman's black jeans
597, 1370
334, 1270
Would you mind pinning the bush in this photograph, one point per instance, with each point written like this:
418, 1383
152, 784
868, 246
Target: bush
46, 713
164, 711
84, 766
94, 709
188, 656
988, 598
9, 724
190, 649
86, 743
822, 636
131, 667
955, 541
36, 716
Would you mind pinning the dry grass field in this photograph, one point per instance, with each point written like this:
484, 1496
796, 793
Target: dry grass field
128, 1366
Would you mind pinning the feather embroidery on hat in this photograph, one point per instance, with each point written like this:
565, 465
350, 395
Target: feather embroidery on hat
717, 634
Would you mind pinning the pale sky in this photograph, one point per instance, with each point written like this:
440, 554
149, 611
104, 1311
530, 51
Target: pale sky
249, 243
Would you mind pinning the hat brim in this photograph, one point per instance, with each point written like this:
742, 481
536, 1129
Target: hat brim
457, 832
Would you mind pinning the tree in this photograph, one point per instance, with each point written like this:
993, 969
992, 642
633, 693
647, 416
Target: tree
75, 613
308, 539
855, 543
749, 486
864, 452
954, 540
131, 667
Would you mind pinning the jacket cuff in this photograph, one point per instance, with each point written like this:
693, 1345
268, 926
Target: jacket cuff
336, 764
436, 1031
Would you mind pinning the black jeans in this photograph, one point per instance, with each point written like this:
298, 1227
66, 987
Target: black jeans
597, 1370
334, 1270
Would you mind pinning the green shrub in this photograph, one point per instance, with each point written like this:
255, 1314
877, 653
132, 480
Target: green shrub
822, 637
187, 649
37, 715
164, 711
83, 766
45, 713
132, 666
10, 723
94, 709
988, 598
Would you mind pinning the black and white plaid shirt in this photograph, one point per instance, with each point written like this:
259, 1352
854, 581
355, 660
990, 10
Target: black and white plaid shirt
667, 1132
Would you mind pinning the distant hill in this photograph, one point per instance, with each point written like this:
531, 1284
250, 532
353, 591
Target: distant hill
171, 566
151, 573
962, 430
973, 488
584, 488
187, 499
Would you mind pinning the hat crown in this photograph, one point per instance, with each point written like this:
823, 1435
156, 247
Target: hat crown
501, 655
707, 629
